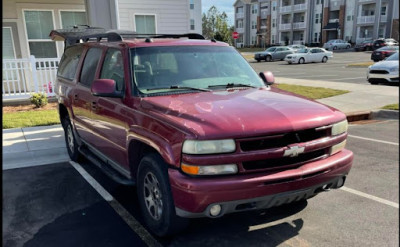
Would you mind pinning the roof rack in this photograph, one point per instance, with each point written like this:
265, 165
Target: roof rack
84, 33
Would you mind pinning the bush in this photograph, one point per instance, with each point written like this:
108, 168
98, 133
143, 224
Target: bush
39, 99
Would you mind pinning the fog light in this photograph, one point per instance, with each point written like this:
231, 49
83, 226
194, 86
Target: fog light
215, 210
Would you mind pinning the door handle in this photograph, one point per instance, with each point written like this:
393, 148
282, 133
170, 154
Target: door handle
94, 106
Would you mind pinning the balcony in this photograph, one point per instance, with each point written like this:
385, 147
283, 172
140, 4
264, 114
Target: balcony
333, 20
264, 14
285, 26
240, 29
299, 25
239, 15
300, 7
366, 19
383, 18
285, 9
263, 27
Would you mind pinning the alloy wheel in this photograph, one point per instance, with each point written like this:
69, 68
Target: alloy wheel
153, 196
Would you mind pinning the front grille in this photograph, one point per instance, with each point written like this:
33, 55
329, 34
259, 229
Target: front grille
284, 162
378, 72
283, 140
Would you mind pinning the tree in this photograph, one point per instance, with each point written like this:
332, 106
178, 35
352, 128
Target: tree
215, 25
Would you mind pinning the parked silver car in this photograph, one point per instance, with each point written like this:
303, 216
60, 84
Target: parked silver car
335, 44
386, 71
296, 48
273, 53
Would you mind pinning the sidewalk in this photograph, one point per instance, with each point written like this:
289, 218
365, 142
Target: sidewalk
24, 147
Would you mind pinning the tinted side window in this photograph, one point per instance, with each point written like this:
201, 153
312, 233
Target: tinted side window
89, 66
69, 62
113, 68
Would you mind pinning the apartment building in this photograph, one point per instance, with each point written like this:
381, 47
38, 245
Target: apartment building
313, 22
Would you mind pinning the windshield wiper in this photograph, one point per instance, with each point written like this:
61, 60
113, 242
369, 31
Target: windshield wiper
179, 87
231, 85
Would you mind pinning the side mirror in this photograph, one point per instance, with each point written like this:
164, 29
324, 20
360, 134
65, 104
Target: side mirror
105, 88
267, 77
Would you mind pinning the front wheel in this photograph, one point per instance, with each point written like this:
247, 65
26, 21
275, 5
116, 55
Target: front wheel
268, 59
348, 47
335, 47
155, 197
324, 59
301, 61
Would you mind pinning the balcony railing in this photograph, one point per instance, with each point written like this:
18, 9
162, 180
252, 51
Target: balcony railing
285, 9
298, 7
383, 18
333, 20
299, 25
361, 1
263, 27
240, 30
365, 19
285, 26
239, 15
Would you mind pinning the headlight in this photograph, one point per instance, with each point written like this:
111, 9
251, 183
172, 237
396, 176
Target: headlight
395, 69
210, 170
293, 56
339, 128
208, 147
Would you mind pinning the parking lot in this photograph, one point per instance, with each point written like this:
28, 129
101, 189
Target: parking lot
77, 205
335, 69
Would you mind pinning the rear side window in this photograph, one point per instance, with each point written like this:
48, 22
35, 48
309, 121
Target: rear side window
69, 62
89, 66
113, 68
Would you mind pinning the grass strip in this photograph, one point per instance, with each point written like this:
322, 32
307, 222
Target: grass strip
30, 119
311, 92
360, 65
391, 107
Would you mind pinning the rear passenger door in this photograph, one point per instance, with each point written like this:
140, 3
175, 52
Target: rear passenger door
82, 97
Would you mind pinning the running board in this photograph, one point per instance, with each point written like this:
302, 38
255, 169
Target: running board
106, 168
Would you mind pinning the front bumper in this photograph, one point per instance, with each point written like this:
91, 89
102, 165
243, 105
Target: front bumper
291, 60
391, 77
193, 197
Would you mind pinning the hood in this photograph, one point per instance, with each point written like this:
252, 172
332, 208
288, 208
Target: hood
385, 65
239, 113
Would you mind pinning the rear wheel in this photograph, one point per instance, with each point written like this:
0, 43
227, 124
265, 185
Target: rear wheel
348, 47
301, 61
258, 60
324, 59
268, 59
155, 197
70, 140
335, 47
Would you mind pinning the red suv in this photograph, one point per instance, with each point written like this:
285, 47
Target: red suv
191, 124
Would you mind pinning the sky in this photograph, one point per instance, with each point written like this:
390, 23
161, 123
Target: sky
222, 5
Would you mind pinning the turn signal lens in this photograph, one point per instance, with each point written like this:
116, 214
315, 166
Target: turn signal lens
209, 170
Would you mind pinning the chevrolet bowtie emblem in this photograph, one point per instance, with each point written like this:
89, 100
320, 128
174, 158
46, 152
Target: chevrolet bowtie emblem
293, 151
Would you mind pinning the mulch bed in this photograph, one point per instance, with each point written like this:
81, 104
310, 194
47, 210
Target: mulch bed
20, 108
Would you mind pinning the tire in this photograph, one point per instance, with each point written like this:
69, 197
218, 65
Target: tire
324, 59
301, 61
373, 83
335, 48
155, 197
268, 59
70, 140
258, 60
348, 47
376, 61
289, 62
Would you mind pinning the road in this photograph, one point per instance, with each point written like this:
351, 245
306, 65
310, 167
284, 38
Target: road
54, 205
334, 70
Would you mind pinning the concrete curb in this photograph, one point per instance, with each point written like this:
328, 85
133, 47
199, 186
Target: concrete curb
387, 114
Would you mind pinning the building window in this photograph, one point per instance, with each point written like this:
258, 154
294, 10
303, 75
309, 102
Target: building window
273, 39
8, 44
315, 37
254, 8
191, 4
273, 22
274, 6
383, 10
316, 18
38, 26
72, 18
145, 24
239, 10
253, 24
239, 24
349, 17
191, 24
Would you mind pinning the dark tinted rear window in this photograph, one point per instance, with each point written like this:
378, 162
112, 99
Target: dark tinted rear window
90, 65
69, 62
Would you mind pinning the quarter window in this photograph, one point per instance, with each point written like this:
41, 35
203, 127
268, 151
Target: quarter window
38, 26
69, 62
89, 66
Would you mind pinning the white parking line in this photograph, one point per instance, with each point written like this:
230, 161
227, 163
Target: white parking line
374, 140
125, 215
310, 76
359, 193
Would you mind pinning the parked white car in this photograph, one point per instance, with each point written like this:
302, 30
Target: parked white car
296, 48
309, 55
386, 71
335, 44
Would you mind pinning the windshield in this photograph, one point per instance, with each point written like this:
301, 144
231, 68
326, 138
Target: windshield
393, 57
303, 51
173, 68
271, 49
